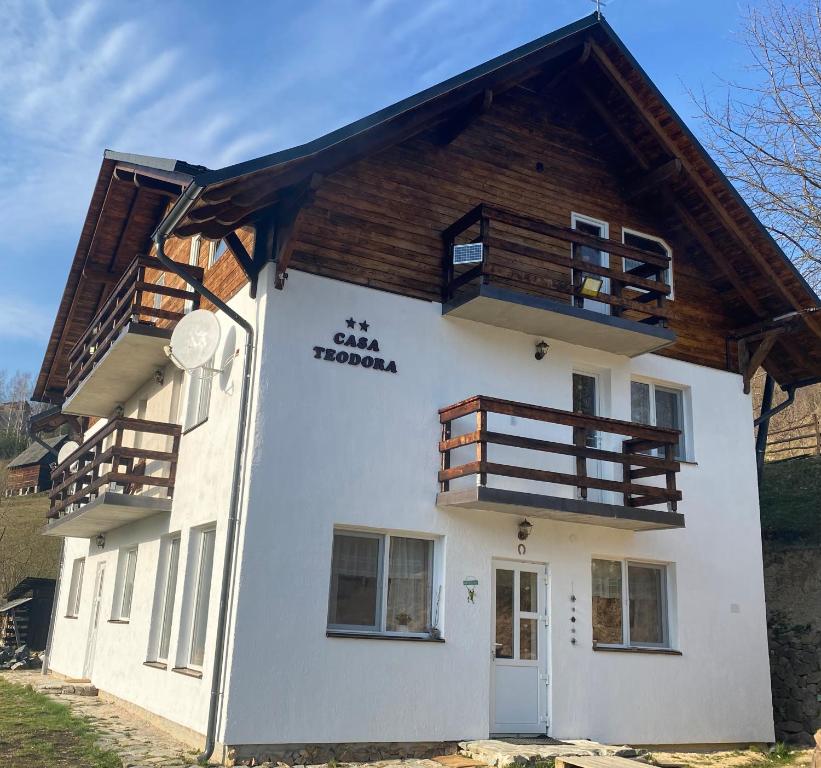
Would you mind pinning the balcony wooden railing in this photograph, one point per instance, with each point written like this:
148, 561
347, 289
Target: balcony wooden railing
535, 257
106, 458
134, 298
637, 440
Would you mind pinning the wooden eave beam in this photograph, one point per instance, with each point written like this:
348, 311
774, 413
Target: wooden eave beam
241, 255
710, 197
290, 216
661, 175
450, 129
748, 363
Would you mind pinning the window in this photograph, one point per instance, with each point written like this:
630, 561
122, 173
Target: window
380, 583
76, 587
199, 624
215, 251
199, 396
124, 591
158, 297
630, 604
647, 243
592, 255
661, 406
169, 594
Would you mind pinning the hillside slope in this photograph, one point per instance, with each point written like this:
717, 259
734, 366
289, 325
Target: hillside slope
24, 551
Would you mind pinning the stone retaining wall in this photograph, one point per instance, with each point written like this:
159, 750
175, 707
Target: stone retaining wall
792, 579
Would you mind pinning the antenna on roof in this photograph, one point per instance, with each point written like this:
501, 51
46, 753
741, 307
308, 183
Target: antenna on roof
599, 5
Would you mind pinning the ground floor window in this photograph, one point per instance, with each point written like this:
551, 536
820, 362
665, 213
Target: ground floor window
381, 583
202, 595
630, 604
124, 585
76, 587
166, 596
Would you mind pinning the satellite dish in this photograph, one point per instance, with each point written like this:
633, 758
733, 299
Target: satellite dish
66, 450
195, 340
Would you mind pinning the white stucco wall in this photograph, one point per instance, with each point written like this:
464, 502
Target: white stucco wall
341, 445
201, 496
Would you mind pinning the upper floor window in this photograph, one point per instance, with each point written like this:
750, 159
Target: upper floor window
648, 243
158, 297
199, 396
215, 251
630, 604
380, 583
662, 406
76, 588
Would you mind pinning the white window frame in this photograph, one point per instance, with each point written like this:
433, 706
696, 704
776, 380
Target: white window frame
604, 226
686, 412
194, 594
200, 382
383, 572
158, 297
75, 589
166, 601
124, 585
213, 245
625, 564
663, 243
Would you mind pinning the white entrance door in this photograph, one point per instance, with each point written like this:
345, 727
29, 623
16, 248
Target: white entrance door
519, 676
96, 609
586, 400
593, 255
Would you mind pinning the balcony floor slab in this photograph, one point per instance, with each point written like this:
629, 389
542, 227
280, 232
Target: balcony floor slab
105, 513
558, 508
540, 316
132, 358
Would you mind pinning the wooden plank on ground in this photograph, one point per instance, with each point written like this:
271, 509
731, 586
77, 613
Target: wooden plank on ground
593, 761
459, 761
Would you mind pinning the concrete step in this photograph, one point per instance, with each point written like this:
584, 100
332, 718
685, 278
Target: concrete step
79, 689
502, 753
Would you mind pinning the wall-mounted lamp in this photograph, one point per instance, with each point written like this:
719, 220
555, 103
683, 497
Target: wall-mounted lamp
591, 286
100, 541
541, 349
524, 531
159, 377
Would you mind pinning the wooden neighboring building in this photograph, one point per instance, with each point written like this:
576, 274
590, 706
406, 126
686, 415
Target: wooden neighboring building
30, 471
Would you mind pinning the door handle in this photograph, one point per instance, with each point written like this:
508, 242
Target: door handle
495, 647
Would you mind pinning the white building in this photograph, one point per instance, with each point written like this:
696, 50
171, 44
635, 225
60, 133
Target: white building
407, 414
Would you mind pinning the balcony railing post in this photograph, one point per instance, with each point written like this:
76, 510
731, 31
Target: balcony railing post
444, 456
670, 455
580, 441
484, 236
481, 444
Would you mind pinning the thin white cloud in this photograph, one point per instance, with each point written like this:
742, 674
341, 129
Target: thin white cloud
21, 319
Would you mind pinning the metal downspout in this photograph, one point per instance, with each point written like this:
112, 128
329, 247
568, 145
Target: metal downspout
763, 426
176, 213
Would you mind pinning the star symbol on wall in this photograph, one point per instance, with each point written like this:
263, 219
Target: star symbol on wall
351, 322
363, 326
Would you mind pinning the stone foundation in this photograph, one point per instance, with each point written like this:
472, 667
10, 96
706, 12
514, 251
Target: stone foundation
356, 752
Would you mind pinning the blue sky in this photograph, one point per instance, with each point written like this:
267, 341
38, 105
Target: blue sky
215, 82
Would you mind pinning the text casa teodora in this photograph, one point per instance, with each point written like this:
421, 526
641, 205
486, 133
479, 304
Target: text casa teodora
354, 358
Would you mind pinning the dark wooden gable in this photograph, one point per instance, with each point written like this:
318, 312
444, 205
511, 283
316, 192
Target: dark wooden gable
378, 222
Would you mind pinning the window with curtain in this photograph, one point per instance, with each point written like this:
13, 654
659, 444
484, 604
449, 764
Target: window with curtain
380, 583
630, 604
660, 406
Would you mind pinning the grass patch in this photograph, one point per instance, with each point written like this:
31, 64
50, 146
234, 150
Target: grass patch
37, 732
789, 499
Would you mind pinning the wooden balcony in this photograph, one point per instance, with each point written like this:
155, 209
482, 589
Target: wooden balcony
125, 472
486, 465
531, 279
124, 343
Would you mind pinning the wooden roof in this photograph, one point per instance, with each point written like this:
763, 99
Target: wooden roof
759, 280
129, 199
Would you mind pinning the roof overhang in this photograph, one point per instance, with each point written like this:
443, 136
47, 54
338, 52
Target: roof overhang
130, 197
